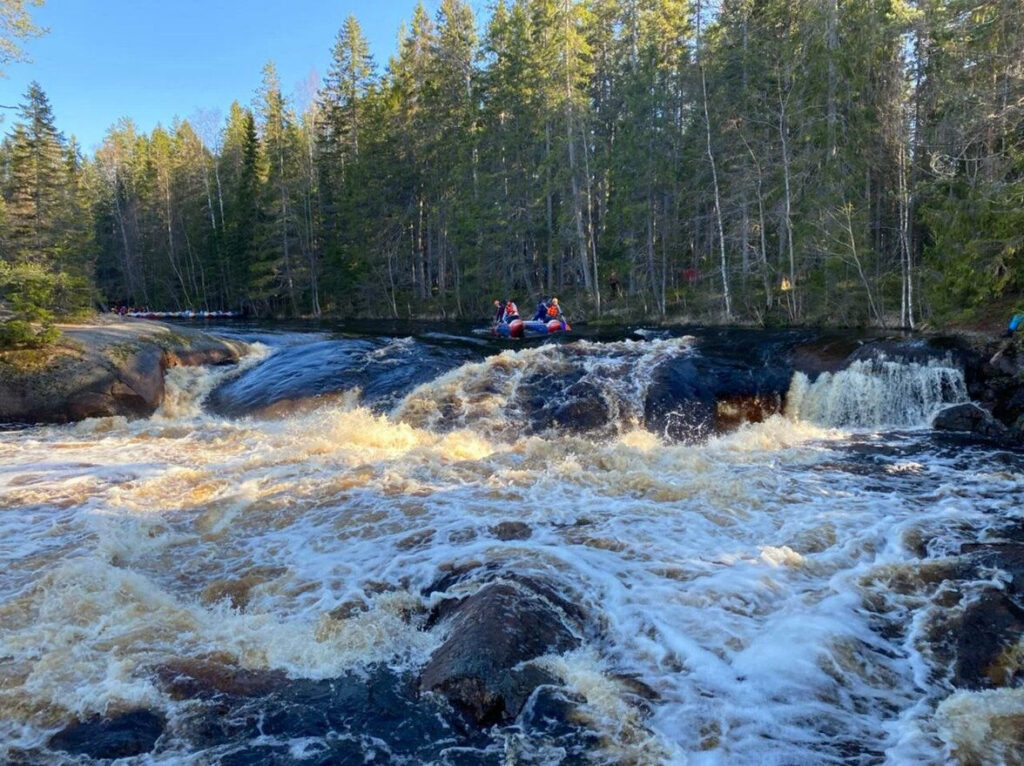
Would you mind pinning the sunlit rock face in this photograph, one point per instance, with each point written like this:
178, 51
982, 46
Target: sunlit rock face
107, 370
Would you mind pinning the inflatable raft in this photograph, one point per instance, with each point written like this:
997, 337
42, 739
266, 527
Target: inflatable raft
531, 328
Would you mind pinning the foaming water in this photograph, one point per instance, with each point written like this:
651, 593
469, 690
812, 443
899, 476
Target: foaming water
878, 392
493, 396
738, 590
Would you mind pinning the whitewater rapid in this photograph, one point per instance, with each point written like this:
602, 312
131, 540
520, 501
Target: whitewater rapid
743, 583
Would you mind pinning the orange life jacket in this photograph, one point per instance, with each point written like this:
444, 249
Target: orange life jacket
511, 309
552, 310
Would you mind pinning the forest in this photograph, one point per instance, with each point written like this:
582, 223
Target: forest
758, 162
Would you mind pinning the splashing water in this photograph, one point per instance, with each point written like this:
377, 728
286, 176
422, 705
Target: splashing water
735, 590
878, 392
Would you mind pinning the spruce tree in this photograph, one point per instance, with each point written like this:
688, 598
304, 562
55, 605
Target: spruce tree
44, 264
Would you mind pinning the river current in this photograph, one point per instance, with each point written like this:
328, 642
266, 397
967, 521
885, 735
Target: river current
756, 594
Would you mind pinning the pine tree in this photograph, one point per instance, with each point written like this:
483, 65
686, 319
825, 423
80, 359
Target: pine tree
277, 276
44, 268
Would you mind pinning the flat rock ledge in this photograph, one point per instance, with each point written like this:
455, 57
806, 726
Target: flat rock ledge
109, 368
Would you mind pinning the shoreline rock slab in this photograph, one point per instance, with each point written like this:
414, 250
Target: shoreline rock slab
112, 367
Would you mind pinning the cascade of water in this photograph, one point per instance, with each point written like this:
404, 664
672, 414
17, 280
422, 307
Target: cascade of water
876, 392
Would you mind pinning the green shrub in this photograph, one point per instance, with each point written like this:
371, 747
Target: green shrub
18, 333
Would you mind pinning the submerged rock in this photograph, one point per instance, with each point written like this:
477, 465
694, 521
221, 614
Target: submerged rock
483, 667
987, 642
380, 371
1006, 556
512, 530
121, 736
111, 368
255, 713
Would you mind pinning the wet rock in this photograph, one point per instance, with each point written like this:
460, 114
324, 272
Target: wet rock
986, 640
558, 397
121, 736
823, 354
691, 397
290, 376
238, 590
382, 371
346, 719
416, 540
552, 715
483, 667
1009, 557
994, 369
512, 530
733, 411
677, 406
972, 419
583, 410
191, 678
102, 370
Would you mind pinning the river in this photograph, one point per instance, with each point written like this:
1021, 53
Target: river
755, 592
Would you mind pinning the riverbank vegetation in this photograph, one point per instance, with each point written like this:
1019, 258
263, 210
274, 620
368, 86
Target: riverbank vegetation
761, 162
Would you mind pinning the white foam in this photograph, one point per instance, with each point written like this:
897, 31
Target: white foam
731, 577
879, 392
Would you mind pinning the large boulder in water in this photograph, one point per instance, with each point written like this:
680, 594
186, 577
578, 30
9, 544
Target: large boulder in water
694, 396
483, 667
970, 418
381, 370
101, 370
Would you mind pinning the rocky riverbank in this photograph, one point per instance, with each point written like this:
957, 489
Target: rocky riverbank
110, 367
994, 373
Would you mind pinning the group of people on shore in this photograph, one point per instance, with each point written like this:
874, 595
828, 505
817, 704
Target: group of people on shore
506, 311
146, 313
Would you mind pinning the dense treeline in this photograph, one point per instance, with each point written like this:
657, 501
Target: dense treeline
755, 160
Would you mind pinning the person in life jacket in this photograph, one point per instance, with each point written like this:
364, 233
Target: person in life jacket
1015, 324
542, 311
511, 311
554, 311
499, 311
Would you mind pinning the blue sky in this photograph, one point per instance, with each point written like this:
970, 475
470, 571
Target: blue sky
153, 61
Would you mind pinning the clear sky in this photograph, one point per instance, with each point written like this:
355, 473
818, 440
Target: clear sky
154, 60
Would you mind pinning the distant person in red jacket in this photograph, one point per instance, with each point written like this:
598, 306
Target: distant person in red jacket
511, 311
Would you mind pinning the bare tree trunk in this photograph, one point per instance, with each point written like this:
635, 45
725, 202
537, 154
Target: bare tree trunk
591, 231
172, 256
907, 291
726, 297
791, 294
550, 209
577, 213
832, 46
848, 227
289, 278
